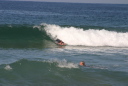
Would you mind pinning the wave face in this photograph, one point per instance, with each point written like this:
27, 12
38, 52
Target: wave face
22, 36
44, 35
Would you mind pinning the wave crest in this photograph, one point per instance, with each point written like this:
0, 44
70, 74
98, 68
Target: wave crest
91, 37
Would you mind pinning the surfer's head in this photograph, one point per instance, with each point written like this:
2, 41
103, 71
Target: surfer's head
82, 63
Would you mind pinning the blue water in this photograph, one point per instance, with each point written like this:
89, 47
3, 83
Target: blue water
94, 33
64, 14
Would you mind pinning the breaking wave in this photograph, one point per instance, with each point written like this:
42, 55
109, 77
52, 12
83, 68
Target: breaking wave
45, 34
90, 37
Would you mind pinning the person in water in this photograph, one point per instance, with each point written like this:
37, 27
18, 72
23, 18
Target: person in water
60, 42
82, 63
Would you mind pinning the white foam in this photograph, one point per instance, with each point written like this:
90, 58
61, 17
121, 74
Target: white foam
91, 37
8, 67
63, 63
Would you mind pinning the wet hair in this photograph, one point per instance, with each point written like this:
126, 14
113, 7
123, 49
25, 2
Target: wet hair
58, 40
83, 62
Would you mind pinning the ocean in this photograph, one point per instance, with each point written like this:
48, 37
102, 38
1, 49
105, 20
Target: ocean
94, 33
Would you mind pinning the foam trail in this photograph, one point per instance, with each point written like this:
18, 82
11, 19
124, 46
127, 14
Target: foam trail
91, 37
63, 63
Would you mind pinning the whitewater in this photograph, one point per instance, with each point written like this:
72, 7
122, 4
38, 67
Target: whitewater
91, 37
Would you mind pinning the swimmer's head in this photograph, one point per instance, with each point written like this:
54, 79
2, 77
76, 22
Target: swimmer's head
82, 63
